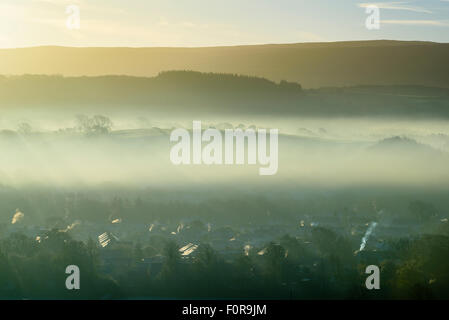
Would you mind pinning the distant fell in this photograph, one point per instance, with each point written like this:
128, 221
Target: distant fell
314, 65
403, 144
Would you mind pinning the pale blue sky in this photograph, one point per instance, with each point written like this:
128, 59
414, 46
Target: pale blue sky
211, 22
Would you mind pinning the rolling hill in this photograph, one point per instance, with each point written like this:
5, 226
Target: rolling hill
190, 91
313, 65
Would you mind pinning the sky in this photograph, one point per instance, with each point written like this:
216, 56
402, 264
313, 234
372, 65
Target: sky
193, 23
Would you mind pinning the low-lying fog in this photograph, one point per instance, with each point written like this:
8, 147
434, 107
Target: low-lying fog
53, 150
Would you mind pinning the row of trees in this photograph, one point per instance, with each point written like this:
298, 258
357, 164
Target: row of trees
89, 126
411, 269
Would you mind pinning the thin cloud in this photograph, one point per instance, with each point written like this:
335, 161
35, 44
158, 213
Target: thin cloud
418, 22
58, 2
394, 6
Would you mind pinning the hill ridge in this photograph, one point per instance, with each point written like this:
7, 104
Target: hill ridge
314, 65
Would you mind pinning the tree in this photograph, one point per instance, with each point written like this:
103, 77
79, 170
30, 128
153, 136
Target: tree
206, 258
9, 286
138, 252
92, 251
290, 86
24, 128
422, 210
172, 258
96, 125
275, 257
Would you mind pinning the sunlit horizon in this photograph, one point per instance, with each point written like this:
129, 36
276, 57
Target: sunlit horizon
210, 23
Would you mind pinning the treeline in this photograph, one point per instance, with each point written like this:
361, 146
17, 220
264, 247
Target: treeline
55, 209
411, 268
177, 89
189, 92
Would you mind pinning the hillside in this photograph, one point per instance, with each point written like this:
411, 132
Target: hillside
311, 64
189, 91
405, 145
177, 90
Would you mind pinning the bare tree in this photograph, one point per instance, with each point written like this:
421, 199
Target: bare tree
95, 125
24, 128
